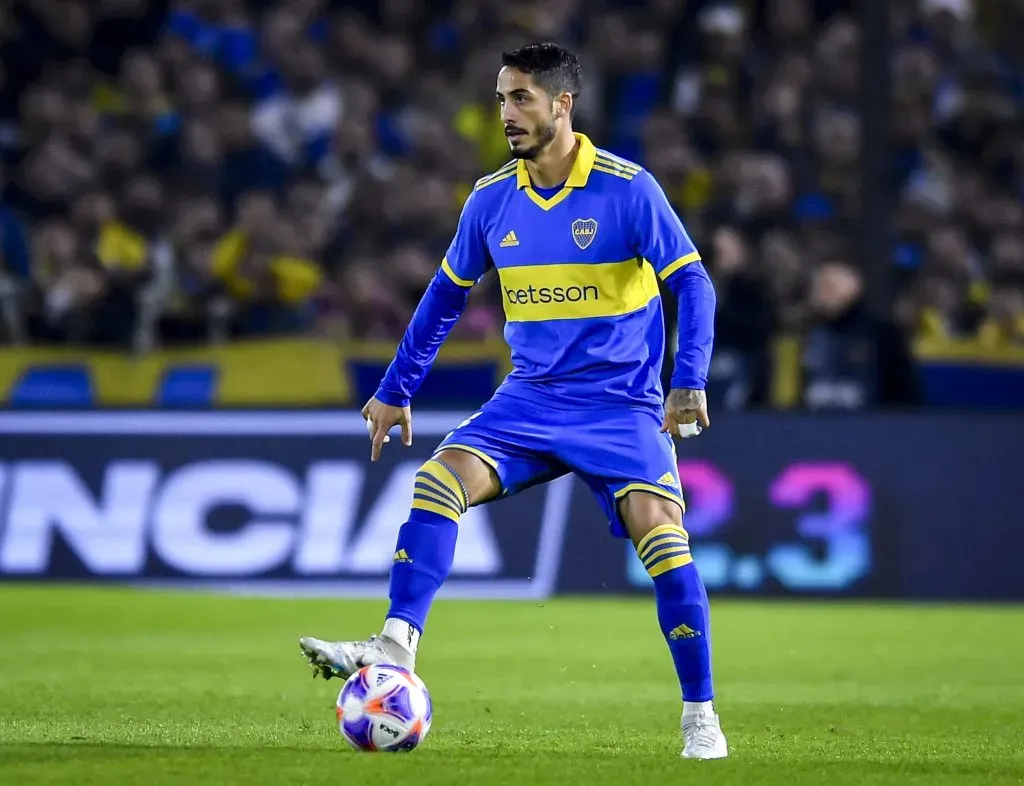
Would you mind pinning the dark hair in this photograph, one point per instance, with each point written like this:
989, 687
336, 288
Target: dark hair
553, 67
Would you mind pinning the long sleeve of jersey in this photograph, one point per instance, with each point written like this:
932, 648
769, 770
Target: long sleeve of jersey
442, 305
662, 240
438, 311
696, 299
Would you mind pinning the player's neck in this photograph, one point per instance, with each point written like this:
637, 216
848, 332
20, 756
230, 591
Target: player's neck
552, 167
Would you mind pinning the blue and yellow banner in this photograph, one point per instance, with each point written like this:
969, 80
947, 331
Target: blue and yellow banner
279, 373
960, 374
309, 373
971, 374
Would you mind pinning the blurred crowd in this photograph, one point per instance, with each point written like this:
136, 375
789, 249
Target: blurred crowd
196, 170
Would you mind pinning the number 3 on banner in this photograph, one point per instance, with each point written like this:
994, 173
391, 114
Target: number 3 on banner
842, 526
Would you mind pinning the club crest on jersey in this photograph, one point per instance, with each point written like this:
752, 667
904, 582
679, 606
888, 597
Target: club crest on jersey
583, 231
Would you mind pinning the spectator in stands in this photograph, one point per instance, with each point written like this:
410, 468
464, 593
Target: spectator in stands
1003, 323
193, 312
739, 374
256, 265
136, 260
70, 284
372, 310
850, 358
246, 165
15, 272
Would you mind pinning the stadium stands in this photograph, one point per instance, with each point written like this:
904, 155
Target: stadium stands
193, 173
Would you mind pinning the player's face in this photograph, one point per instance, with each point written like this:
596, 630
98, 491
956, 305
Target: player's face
527, 111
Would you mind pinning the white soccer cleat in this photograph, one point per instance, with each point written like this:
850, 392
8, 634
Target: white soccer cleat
344, 658
702, 736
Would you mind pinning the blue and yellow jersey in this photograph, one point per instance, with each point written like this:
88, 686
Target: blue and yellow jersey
295, 279
579, 268
121, 247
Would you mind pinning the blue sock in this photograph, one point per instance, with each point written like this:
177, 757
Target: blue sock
426, 543
683, 612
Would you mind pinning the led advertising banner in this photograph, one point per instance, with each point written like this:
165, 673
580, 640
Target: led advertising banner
915, 506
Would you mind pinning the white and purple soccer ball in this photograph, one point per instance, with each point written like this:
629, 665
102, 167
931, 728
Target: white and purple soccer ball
384, 708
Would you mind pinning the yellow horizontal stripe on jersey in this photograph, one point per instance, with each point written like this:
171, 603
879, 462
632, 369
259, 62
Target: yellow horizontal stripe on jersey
672, 267
462, 282
537, 293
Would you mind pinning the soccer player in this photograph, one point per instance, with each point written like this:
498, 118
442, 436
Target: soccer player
579, 238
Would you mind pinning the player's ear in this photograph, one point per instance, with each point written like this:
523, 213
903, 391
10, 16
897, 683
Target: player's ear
563, 105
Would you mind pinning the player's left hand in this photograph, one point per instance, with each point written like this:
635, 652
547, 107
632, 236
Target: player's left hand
380, 419
686, 413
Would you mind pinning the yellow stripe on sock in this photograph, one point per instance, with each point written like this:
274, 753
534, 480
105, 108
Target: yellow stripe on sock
647, 541
446, 477
429, 496
434, 486
433, 507
665, 539
674, 550
665, 565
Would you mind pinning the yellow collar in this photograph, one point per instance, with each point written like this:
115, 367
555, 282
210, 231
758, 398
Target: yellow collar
580, 169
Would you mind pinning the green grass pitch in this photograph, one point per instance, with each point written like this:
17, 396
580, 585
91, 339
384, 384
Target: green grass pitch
116, 686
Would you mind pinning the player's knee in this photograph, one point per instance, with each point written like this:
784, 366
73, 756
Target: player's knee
440, 489
478, 479
655, 525
643, 512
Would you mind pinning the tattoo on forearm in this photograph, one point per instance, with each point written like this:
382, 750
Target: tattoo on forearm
689, 399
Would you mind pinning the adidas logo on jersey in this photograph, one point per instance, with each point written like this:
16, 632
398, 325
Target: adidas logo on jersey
683, 632
509, 240
402, 556
668, 479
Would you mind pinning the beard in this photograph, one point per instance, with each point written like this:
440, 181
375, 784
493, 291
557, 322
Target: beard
544, 136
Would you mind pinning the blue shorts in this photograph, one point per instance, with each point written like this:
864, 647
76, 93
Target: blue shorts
614, 451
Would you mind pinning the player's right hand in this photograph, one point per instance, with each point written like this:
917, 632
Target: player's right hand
380, 419
686, 413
